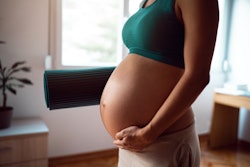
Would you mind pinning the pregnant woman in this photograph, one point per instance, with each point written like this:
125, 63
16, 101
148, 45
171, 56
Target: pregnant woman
146, 103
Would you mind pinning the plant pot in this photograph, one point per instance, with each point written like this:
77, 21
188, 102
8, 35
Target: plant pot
5, 117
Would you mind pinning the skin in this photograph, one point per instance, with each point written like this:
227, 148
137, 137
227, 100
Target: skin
171, 109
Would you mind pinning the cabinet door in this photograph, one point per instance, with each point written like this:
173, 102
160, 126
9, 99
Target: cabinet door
21, 149
38, 163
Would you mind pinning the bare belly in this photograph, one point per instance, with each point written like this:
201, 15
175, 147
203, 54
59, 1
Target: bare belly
135, 91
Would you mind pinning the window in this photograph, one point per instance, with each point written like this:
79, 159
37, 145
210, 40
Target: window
220, 62
221, 38
88, 32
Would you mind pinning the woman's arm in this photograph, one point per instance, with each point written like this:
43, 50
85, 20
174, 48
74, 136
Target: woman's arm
200, 19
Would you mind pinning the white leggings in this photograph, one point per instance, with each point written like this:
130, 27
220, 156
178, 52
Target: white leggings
179, 149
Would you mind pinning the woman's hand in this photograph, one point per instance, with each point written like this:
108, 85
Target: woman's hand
132, 138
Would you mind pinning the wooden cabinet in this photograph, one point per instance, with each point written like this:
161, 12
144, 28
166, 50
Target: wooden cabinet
225, 118
24, 144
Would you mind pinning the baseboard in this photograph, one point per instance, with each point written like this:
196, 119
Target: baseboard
203, 137
244, 144
79, 157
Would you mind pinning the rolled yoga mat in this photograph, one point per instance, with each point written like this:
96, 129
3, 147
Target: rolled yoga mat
75, 87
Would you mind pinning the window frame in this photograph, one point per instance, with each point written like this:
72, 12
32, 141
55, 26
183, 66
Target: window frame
55, 35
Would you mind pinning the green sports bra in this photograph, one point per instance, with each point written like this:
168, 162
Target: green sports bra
155, 32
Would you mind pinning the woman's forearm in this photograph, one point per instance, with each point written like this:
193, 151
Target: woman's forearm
177, 103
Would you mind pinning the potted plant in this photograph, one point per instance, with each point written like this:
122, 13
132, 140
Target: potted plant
9, 82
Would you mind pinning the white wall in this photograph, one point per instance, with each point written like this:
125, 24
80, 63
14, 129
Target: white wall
239, 56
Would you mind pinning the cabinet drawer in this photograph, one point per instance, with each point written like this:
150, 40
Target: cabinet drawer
38, 163
24, 148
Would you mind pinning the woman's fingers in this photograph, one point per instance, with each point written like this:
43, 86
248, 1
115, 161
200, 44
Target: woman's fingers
129, 140
120, 135
123, 145
126, 132
118, 142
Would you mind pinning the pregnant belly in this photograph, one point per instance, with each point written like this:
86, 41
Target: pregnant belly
135, 91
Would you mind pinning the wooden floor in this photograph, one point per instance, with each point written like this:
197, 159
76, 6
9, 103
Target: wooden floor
231, 156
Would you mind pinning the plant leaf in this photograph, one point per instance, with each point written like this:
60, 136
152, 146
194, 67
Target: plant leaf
12, 71
17, 64
24, 81
25, 69
0, 65
11, 89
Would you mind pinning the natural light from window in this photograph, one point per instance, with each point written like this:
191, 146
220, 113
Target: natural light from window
91, 31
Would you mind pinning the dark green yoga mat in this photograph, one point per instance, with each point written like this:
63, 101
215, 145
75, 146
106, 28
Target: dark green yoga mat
75, 87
